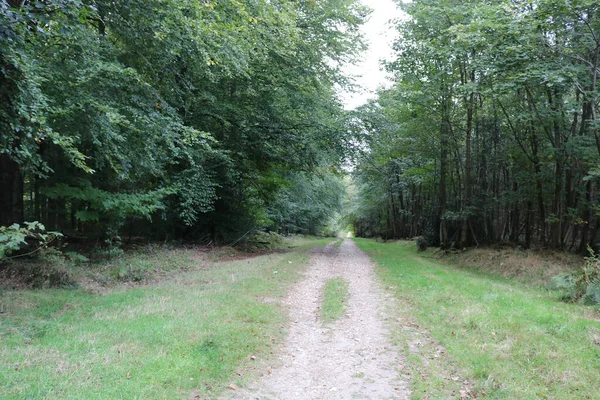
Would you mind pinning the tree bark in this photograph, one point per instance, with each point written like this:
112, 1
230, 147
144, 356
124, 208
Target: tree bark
442, 196
11, 178
556, 226
11, 192
394, 214
470, 105
587, 218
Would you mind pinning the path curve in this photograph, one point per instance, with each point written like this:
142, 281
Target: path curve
348, 359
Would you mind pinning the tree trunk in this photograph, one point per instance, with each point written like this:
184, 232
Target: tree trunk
394, 214
587, 218
539, 186
515, 216
442, 196
556, 226
528, 218
11, 192
470, 105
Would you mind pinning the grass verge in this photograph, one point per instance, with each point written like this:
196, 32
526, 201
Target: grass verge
473, 334
192, 334
335, 297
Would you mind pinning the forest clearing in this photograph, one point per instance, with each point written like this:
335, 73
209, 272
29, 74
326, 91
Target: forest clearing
299, 199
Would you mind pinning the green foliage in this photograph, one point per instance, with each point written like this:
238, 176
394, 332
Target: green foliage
582, 285
110, 205
308, 204
191, 116
490, 131
422, 243
15, 238
258, 241
25, 106
51, 269
196, 195
592, 292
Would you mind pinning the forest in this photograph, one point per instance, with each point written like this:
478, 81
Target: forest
169, 119
206, 120
490, 132
191, 208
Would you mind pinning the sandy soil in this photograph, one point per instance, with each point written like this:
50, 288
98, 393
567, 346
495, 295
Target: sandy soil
349, 359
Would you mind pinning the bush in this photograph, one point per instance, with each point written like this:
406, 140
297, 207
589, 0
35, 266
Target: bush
259, 241
592, 292
16, 238
422, 243
38, 265
128, 274
431, 236
582, 285
50, 269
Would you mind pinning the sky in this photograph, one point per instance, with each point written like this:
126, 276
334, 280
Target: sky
379, 34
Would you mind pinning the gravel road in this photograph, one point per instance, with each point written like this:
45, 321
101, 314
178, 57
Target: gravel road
351, 358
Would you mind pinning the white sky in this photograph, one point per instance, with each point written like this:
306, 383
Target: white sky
379, 34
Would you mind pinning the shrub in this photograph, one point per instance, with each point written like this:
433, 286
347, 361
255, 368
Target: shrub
582, 285
39, 266
422, 243
15, 238
592, 292
262, 241
50, 269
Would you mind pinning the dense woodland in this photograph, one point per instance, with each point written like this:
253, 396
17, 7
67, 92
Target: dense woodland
490, 132
206, 120
166, 119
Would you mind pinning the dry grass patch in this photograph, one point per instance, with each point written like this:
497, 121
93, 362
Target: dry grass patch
533, 267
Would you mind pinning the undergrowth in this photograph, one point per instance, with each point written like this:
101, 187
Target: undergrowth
259, 241
575, 278
53, 268
582, 285
531, 267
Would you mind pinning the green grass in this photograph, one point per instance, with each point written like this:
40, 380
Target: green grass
335, 298
298, 242
510, 341
191, 334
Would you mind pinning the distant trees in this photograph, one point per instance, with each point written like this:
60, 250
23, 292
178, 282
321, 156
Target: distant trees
491, 130
171, 118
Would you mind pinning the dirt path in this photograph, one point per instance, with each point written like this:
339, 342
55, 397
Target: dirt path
348, 359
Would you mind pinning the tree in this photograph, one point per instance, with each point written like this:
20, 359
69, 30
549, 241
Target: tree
169, 118
512, 88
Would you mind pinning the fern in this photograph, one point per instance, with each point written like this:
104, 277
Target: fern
582, 285
592, 292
